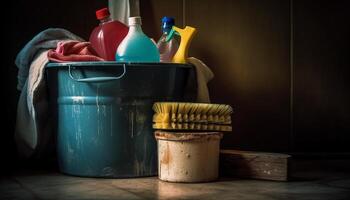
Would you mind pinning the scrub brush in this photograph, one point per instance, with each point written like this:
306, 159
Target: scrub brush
192, 116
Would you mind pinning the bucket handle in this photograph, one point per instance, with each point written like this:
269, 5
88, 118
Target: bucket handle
96, 79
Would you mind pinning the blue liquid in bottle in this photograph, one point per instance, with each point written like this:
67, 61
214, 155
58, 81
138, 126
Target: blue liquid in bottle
136, 46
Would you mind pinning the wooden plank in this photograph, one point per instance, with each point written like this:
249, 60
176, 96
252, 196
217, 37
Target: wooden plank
255, 165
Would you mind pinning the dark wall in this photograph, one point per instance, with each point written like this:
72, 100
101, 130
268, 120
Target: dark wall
321, 75
246, 44
283, 65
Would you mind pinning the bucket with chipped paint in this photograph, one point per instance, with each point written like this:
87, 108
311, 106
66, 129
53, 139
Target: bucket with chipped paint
104, 114
188, 157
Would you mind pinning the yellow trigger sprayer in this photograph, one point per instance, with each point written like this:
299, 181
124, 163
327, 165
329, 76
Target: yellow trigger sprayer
186, 35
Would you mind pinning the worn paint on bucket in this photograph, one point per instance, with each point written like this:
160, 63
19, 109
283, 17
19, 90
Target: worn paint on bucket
188, 157
104, 115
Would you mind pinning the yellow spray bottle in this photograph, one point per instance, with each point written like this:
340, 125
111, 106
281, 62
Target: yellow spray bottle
186, 35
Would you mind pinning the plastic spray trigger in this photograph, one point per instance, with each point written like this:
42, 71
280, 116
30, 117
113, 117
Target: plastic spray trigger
171, 35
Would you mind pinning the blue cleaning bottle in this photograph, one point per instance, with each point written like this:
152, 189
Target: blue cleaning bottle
136, 46
167, 49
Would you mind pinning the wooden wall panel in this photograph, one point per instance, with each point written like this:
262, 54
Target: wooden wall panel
321, 76
246, 44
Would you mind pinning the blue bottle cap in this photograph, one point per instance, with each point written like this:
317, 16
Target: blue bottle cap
169, 20
167, 23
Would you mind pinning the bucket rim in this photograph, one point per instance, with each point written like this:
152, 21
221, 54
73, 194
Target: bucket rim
115, 64
187, 136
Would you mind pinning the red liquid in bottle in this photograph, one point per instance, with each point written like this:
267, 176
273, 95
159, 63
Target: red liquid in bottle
106, 37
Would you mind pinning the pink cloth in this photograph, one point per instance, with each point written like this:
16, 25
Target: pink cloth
73, 51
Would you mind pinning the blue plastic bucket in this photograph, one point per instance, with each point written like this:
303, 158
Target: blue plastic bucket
104, 115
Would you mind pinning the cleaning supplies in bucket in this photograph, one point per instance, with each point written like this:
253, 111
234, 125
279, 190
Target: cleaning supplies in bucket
167, 49
189, 156
136, 46
106, 37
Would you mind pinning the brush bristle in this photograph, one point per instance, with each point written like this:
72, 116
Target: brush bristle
192, 116
192, 126
192, 112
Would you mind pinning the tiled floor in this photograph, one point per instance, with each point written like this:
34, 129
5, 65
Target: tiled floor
308, 185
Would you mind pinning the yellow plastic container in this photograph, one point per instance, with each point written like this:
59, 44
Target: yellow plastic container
186, 35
